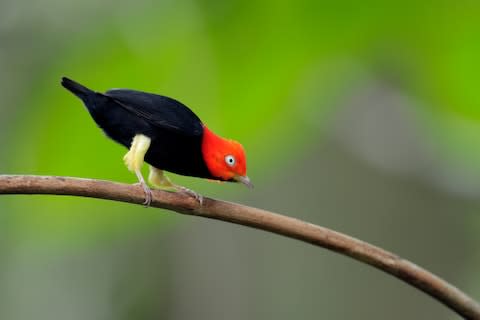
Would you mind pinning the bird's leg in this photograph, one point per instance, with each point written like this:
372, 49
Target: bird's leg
134, 161
160, 181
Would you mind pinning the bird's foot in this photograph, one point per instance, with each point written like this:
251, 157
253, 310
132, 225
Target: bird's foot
148, 193
159, 180
191, 193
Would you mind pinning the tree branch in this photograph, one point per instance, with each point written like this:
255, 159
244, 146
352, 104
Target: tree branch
256, 218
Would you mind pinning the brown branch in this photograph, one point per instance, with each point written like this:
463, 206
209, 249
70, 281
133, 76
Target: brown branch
256, 218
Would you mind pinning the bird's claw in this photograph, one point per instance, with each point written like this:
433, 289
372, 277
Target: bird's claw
193, 194
148, 194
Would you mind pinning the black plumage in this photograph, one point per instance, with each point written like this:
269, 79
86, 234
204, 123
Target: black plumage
176, 133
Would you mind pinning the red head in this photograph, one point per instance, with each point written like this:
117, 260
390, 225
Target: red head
225, 159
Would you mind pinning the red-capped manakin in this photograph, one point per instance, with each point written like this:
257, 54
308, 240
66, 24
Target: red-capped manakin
164, 133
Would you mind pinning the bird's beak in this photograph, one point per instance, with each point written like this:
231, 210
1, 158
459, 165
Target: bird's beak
245, 180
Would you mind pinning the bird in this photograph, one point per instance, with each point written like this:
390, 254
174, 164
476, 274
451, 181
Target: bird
165, 134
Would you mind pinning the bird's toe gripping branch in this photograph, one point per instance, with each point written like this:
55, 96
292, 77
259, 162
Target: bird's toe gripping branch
191, 193
159, 180
134, 161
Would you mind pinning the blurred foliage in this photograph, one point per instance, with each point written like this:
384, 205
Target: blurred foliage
271, 74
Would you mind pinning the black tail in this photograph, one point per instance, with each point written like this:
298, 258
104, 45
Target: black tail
77, 89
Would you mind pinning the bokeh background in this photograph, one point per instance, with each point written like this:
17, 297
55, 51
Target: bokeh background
361, 116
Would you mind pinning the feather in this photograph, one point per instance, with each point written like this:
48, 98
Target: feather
159, 111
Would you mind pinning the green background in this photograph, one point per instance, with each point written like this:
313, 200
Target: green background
360, 116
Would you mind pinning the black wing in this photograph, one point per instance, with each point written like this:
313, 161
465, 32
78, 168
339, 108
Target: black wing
160, 111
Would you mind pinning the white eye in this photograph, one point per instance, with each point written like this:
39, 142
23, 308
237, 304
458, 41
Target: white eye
230, 160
